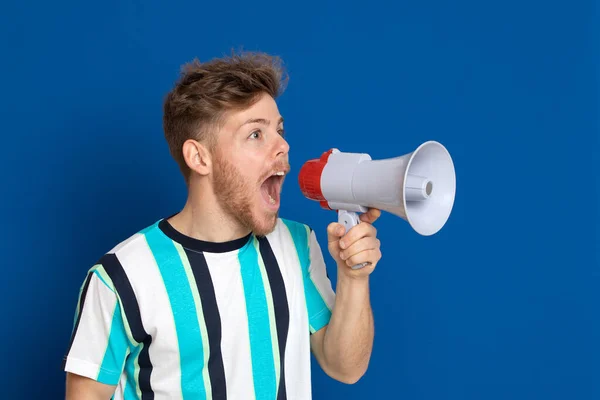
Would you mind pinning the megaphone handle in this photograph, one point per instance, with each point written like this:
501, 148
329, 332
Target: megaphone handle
349, 219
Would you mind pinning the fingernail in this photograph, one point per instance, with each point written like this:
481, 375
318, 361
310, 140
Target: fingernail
342, 244
342, 255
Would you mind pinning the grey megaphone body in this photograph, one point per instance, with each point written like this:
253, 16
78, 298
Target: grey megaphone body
419, 187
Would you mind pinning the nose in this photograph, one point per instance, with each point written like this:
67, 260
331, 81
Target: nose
282, 147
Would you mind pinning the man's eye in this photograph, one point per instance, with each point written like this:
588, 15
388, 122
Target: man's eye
281, 132
254, 135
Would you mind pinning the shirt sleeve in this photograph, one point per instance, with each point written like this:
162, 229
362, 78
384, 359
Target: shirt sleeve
320, 296
99, 341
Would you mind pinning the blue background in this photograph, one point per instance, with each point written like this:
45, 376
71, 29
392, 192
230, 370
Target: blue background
501, 304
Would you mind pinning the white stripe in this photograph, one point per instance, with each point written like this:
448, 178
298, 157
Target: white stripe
235, 342
120, 391
157, 317
297, 352
318, 272
91, 338
125, 242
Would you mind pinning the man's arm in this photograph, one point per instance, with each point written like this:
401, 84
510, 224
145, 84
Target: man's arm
343, 348
82, 388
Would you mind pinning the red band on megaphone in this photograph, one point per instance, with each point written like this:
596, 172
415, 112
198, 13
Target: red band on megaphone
310, 177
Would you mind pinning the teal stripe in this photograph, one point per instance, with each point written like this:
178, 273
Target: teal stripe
183, 307
116, 350
149, 228
261, 347
318, 312
130, 392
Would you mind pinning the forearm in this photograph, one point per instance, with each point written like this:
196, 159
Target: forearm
349, 337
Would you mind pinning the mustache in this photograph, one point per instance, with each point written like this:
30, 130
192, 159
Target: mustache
281, 166
285, 167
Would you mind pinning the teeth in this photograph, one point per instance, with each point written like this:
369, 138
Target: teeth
271, 200
279, 173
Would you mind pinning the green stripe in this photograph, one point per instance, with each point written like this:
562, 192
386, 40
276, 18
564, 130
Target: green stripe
259, 325
319, 312
180, 295
132, 388
103, 276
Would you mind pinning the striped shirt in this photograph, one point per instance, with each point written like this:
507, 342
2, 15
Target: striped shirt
166, 316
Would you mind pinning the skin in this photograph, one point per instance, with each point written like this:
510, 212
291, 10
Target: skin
225, 202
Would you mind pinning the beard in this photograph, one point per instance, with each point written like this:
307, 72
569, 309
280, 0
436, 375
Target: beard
238, 197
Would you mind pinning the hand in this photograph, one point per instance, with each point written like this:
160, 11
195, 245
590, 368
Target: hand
358, 245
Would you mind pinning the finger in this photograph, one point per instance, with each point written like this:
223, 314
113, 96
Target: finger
335, 231
371, 256
366, 243
357, 232
371, 215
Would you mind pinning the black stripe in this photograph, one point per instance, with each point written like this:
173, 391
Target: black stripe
81, 303
280, 303
212, 318
114, 269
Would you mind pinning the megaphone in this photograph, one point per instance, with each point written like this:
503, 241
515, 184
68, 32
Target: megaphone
419, 187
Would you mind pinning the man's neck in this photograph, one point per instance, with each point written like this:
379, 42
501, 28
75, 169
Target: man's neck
201, 218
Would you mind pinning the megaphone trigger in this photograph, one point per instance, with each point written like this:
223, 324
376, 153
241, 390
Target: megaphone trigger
349, 219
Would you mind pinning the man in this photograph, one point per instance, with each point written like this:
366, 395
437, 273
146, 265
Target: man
224, 300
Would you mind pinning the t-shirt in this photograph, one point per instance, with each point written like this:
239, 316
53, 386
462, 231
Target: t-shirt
167, 316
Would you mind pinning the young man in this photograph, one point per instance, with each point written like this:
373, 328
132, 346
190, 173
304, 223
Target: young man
224, 300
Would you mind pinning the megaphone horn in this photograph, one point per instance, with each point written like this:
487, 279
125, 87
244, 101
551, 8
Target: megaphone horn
419, 187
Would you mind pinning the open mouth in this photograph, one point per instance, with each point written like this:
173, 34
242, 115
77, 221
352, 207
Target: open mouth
271, 189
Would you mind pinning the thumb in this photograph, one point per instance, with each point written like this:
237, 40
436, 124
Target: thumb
335, 231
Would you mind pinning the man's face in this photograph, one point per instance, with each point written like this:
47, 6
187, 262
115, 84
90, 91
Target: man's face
250, 162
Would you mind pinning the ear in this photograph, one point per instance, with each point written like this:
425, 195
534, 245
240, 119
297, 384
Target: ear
197, 157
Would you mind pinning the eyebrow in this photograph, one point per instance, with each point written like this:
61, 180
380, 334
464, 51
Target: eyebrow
261, 121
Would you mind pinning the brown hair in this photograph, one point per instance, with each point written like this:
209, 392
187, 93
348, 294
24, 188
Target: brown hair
205, 92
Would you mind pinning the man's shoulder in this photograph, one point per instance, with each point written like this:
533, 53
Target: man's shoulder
133, 244
114, 264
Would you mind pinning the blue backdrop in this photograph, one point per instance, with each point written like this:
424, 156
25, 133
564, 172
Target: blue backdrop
500, 304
